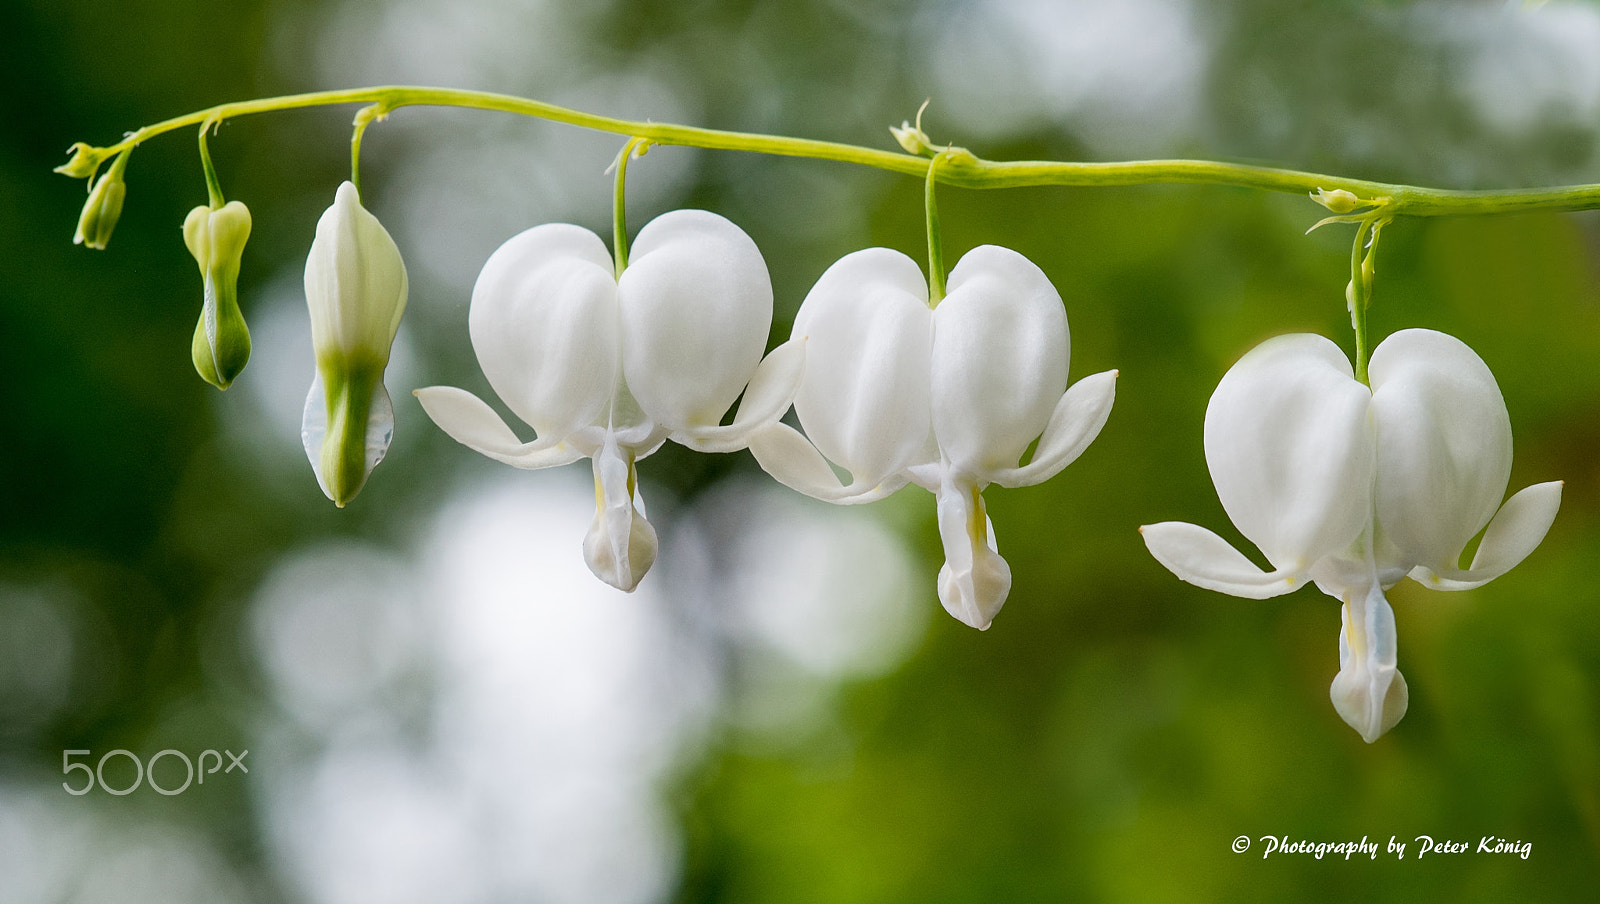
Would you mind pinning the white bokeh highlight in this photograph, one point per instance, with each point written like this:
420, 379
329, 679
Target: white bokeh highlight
481, 720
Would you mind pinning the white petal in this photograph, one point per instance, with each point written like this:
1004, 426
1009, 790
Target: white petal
1369, 692
472, 423
769, 395
544, 325
379, 432
1206, 560
974, 580
696, 306
621, 545
1516, 531
355, 281
1444, 445
1000, 351
1288, 441
793, 461
1077, 420
864, 400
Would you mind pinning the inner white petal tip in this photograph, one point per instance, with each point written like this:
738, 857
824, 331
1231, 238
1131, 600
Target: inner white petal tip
1353, 694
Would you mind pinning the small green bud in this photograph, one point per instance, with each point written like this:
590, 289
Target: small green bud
913, 139
104, 206
85, 161
1338, 200
216, 238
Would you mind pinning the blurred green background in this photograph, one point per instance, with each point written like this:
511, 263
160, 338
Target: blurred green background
441, 706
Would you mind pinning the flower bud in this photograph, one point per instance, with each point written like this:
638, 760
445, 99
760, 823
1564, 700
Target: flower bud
356, 291
1339, 200
216, 238
104, 206
913, 139
85, 161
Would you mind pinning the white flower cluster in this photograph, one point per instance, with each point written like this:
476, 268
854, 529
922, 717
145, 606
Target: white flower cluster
1351, 486
608, 367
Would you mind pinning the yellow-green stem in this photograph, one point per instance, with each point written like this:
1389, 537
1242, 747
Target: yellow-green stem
1359, 296
364, 118
935, 237
213, 185
967, 172
619, 205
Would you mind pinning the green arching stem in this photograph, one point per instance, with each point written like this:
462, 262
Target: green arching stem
213, 186
935, 237
1361, 287
364, 117
619, 204
965, 171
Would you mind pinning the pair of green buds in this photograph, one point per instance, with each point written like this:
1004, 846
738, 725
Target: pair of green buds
215, 234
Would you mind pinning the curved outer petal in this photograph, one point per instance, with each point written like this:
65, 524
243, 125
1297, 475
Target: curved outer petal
766, 399
1206, 560
1369, 692
1000, 351
793, 461
1444, 445
355, 281
864, 401
475, 425
696, 306
974, 581
1074, 424
1516, 530
1288, 440
544, 325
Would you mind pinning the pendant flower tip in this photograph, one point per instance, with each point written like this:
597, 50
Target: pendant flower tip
1354, 487
356, 291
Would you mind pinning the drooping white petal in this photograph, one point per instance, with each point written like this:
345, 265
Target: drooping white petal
769, 395
1206, 560
696, 306
378, 433
999, 365
1444, 445
1074, 424
864, 401
793, 461
974, 580
1288, 440
544, 325
621, 544
1516, 530
1369, 692
472, 423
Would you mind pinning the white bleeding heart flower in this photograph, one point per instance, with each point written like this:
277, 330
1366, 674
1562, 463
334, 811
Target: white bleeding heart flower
948, 397
356, 290
608, 368
1354, 488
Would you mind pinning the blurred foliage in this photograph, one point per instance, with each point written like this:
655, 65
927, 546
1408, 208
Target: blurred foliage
1116, 729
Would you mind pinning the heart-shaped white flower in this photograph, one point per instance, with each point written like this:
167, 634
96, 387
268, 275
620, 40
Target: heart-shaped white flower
1354, 488
608, 368
946, 397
